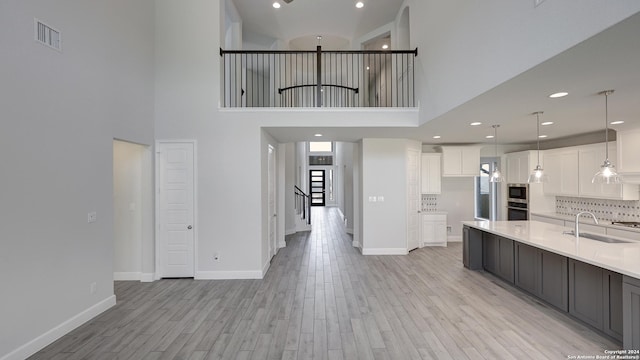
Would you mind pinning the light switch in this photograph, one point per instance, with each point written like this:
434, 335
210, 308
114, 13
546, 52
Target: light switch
92, 217
380, 198
372, 199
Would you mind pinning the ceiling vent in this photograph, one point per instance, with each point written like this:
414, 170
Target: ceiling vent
47, 35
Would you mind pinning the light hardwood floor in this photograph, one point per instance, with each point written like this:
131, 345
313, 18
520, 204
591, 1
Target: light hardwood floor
322, 299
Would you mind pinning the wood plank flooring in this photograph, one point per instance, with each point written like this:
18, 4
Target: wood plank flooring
321, 299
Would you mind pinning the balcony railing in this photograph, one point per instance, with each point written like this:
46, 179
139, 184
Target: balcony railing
318, 78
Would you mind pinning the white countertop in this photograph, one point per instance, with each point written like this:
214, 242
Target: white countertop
623, 258
585, 220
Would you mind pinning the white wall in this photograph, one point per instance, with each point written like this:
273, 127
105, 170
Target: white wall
289, 183
469, 47
457, 199
344, 161
60, 113
384, 173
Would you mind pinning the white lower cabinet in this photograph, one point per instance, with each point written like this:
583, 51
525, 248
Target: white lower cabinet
434, 229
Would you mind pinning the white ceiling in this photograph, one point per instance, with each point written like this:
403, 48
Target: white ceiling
609, 60
308, 18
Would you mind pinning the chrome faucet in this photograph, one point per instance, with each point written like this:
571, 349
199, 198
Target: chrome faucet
576, 230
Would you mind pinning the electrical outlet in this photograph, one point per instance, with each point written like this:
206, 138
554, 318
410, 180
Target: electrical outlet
448, 229
92, 217
216, 256
92, 288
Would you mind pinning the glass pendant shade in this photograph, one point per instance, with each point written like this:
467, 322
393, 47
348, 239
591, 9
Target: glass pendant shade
496, 175
607, 173
537, 175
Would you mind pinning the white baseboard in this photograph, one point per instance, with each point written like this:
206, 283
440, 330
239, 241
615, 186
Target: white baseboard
301, 228
59, 331
228, 275
265, 268
356, 244
127, 276
454, 238
384, 251
282, 244
289, 232
147, 277
435, 244
349, 231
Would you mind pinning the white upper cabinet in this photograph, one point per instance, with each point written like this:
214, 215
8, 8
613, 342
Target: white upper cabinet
571, 169
519, 166
628, 146
561, 167
431, 182
460, 160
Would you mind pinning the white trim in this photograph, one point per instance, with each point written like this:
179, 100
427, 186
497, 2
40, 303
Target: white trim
265, 268
349, 231
356, 244
290, 232
147, 277
282, 244
59, 331
434, 244
228, 275
158, 273
454, 238
384, 251
301, 227
127, 276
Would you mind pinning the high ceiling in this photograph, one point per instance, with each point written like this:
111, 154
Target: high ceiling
305, 19
609, 60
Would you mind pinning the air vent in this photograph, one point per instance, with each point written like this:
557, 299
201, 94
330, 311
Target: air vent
321, 160
47, 35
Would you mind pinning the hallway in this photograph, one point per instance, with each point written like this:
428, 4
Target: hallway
321, 299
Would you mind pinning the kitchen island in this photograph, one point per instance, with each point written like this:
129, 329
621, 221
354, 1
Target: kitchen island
597, 283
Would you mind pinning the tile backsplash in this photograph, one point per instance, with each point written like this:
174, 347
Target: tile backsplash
429, 202
607, 210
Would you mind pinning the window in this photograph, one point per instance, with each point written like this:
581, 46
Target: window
486, 193
321, 146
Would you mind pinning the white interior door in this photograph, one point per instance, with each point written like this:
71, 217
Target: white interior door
176, 210
413, 199
272, 201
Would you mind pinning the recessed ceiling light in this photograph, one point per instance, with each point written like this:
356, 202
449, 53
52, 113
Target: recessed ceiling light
475, 123
559, 94
317, 135
359, 4
617, 122
489, 136
385, 46
542, 136
276, 5
547, 123
437, 136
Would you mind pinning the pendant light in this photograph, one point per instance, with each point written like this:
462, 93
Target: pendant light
607, 173
496, 175
537, 175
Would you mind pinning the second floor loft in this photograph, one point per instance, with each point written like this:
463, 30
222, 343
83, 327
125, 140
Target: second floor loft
320, 78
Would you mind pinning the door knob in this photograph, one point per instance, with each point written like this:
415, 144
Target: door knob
189, 227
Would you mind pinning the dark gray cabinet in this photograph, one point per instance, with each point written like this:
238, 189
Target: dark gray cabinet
553, 281
490, 252
472, 248
542, 274
497, 256
585, 293
631, 313
595, 297
526, 268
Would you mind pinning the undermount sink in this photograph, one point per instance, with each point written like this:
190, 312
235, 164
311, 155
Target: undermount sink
602, 238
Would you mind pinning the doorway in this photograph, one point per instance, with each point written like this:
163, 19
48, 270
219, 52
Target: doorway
486, 192
317, 184
175, 206
132, 211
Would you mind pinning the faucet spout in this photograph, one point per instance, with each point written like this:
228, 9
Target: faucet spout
577, 226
